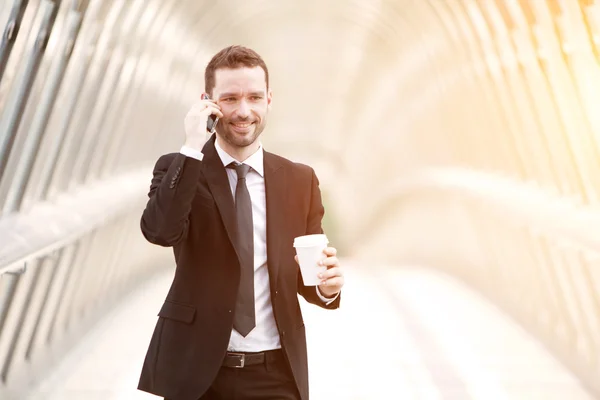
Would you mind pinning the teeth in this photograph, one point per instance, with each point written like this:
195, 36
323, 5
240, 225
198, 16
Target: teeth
242, 125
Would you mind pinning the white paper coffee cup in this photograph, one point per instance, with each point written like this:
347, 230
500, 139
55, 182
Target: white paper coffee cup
309, 249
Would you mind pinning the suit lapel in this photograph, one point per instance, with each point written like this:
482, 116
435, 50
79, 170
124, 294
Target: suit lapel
275, 190
275, 193
218, 183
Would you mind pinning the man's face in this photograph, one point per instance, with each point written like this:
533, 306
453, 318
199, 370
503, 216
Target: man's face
245, 102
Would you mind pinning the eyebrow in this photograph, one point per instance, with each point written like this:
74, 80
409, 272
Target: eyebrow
257, 93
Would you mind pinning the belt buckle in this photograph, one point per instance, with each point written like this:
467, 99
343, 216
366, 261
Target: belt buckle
242, 358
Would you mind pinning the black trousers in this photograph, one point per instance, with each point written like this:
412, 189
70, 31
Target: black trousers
272, 380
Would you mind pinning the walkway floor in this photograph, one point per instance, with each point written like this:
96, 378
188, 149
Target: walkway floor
400, 334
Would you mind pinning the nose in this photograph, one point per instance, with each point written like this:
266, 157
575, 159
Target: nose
243, 110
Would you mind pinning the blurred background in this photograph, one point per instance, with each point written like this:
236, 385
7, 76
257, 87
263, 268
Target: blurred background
457, 144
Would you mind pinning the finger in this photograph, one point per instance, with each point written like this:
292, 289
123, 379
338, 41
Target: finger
197, 120
330, 251
329, 261
218, 113
331, 273
338, 281
203, 112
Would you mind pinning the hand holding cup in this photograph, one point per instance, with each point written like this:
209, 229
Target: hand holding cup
319, 264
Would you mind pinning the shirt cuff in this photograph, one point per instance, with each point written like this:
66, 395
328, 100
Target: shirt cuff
193, 153
326, 300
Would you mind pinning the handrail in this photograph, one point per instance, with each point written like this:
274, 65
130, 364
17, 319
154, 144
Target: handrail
49, 226
524, 204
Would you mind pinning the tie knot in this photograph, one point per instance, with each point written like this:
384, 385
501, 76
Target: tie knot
240, 169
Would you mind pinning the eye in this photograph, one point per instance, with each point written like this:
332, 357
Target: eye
228, 99
256, 98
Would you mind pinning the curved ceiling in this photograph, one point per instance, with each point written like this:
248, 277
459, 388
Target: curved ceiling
364, 91
345, 75
367, 90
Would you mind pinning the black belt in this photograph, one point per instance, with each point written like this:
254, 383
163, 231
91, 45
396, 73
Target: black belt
241, 360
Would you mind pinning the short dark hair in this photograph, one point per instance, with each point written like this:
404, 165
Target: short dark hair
232, 57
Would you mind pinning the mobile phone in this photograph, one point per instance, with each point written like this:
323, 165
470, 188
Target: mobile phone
211, 123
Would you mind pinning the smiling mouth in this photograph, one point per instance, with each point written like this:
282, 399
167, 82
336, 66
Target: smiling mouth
242, 125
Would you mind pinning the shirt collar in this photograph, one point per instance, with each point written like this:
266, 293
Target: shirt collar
255, 161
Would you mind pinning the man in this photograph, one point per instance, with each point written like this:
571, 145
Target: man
231, 325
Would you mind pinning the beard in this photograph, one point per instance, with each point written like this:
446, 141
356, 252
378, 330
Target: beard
241, 139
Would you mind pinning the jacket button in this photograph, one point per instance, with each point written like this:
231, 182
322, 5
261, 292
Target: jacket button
229, 311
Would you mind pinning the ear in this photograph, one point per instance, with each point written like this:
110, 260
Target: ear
269, 99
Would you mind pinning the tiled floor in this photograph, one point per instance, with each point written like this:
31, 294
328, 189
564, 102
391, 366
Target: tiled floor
400, 334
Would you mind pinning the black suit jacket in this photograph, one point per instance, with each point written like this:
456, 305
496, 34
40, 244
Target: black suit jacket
191, 208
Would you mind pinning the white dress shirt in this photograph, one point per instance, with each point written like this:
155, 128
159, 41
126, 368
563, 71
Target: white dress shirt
265, 335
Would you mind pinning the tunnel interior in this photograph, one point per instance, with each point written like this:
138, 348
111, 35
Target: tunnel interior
459, 135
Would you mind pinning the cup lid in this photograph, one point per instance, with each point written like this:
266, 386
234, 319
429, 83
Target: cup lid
310, 240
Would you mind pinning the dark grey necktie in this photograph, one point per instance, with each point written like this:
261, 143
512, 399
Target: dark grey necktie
244, 319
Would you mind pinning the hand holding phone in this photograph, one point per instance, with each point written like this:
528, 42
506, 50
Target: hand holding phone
211, 123
200, 120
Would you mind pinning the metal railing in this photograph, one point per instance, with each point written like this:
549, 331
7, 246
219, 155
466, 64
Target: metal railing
82, 254
48, 227
88, 90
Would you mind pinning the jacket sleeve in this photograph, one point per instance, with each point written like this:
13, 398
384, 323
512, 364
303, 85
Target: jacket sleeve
165, 220
313, 226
